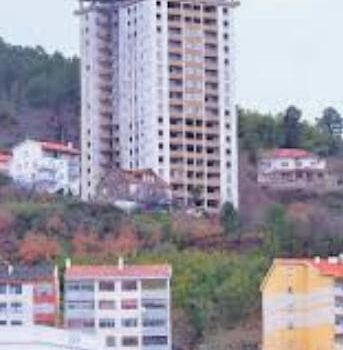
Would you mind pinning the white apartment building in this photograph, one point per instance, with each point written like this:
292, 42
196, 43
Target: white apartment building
29, 295
128, 306
158, 93
46, 166
46, 338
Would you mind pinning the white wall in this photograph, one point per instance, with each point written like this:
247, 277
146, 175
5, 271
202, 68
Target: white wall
45, 338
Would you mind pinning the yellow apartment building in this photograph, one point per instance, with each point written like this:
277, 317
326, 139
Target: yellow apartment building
302, 302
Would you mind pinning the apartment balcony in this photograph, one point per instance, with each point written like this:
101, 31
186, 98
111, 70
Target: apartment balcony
211, 38
211, 78
338, 291
212, 143
213, 156
210, 21
211, 64
211, 52
176, 102
106, 110
175, 49
177, 76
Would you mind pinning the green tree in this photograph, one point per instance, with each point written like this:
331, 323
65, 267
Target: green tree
229, 218
292, 127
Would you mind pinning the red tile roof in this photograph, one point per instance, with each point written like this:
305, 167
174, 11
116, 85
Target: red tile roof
289, 153
5, 157
54, 146
115, 271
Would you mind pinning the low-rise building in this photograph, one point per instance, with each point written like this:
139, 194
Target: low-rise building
143, 188
46, 166
46, 338
293, 168
127, 305
302, 302
29, 295
5, 161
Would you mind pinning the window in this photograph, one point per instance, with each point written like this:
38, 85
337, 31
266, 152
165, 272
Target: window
155, 340
3, 323
3, 288
154, 322
16, 323
110, 342
3, 307
129, 304
130, 341
129, 322
15, 289
154, 303
16, 308
44, 289
106, 286
129, 285
86, 287
107, 305
107, 323
155, 284
80, 305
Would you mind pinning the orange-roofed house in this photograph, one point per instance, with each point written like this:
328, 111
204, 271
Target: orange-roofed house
128, 306
302, 301
293, 168
46, 166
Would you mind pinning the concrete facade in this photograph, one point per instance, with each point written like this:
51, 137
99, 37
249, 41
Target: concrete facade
127, 306
158, 93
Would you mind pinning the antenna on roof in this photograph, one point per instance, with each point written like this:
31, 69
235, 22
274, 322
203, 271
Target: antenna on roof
121, 263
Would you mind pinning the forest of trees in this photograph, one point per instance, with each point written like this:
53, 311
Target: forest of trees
259, 131
32, 81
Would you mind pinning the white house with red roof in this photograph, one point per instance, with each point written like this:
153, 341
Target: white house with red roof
128, 306
292, 168
46, 166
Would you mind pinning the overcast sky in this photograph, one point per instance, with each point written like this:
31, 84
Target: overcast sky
287, 51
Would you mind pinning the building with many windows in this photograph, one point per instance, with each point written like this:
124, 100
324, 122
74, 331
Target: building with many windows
128, 306
29, 295
303, 304
46, 166
158, 93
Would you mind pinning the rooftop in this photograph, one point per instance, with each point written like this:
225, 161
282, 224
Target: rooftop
26, 273
55, 146
332, 266
147, 271
5, 157
288, 153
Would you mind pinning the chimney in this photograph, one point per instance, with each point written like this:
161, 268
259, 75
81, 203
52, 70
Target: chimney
121, 263
68, 263
332, 260
317, 260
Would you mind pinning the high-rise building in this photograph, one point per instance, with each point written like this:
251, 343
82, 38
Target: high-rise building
29, 295
158, 93
127, 306
303, 304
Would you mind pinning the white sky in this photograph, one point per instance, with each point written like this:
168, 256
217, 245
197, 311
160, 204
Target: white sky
287, 51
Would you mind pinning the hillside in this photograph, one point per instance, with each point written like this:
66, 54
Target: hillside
39, 95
